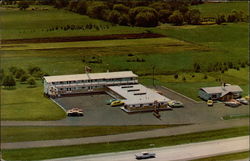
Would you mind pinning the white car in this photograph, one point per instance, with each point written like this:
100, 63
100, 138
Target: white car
145, 155
242, 101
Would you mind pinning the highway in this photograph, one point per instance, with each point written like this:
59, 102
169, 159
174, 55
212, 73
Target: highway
174, 153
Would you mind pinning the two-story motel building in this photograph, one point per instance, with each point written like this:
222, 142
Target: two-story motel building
85, 83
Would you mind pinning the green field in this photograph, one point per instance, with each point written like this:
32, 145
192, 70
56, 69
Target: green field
24, 103
17, 134
226, 157
33, 24
212, 9
76, 150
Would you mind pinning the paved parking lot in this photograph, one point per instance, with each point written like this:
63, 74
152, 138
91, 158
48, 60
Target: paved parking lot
96, 112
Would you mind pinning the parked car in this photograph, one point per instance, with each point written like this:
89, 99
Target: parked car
75, 112
174, 103
117, 103
232, 103
243, 101
108, 102
210, 102
145, 155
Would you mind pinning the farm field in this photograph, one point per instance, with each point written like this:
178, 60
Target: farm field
176, 53
212, 10
34, 24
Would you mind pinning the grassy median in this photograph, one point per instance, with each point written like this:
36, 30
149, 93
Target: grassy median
31, 133
67, 151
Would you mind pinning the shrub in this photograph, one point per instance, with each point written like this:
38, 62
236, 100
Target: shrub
205, 76
146, 19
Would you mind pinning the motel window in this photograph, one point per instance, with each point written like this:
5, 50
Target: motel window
214, 96
150, 104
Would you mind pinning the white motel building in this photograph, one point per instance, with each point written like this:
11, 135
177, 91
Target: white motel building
124, 84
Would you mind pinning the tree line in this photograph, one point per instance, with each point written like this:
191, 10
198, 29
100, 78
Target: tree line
8, 79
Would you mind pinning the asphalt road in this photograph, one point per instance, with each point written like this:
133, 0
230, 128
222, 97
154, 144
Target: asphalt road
173, 153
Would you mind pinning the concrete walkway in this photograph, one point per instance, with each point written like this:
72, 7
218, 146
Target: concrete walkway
129, 136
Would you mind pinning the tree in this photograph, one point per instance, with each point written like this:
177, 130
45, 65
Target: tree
19, 73
176, 18
176, 76
22, 5
72, 5
31, 81
82, 7
146, 19
114, 17
143, 16
24, 78
184, 78
9, 81
193, 17
1, 75
197, 67
13, 70
33, 70
121, 8
123, 20
98, 10
164, 15
60, 3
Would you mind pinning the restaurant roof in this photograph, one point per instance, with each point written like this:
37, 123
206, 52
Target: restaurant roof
138, 94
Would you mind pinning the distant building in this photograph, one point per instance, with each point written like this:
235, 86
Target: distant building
85, 83
222, 93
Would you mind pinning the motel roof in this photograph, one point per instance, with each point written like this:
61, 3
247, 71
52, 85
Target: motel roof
138, 94
222, 89
76, 77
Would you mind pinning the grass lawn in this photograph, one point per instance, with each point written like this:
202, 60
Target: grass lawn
16, 134
191, 85
67, 151
212, 9
229, 117
234, 156
33, 24
25, 103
